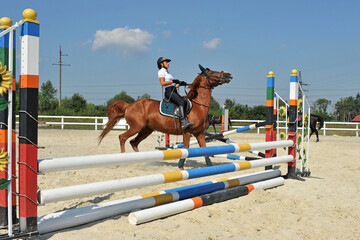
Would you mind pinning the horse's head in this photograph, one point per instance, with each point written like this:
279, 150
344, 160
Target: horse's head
215, 78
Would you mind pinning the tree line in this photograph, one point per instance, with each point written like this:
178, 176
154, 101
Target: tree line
345, 109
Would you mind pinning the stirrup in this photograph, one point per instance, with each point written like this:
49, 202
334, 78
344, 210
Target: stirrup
187, 124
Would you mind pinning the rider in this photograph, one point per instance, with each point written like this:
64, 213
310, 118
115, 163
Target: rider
170, 84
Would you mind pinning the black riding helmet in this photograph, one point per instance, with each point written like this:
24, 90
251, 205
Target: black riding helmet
162, 59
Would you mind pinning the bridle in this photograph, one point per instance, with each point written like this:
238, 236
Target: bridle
212, 78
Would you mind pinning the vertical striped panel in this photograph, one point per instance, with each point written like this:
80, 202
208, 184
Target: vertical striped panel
4, 58
223, 119
270, 91
293, 121
28, 128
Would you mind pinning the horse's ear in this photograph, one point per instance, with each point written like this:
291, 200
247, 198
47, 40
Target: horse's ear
203, 70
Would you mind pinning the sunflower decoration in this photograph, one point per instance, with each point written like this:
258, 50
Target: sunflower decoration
299, 139
282, 136
306, 119
3, 159
300, 105
5, 79
282, 111
160, 138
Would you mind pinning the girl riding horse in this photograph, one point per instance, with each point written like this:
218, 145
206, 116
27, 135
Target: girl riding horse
143, 115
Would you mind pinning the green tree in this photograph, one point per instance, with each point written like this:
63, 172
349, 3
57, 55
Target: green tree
47, 97
239, 112
257, 112
95, 110
145, 95
214, 108
72, 106
357, 103
229, 104
347, 108
321, 105
121, 96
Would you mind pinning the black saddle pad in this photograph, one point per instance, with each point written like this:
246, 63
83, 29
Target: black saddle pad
168, 108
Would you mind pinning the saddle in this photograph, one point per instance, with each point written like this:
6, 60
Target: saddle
170, 109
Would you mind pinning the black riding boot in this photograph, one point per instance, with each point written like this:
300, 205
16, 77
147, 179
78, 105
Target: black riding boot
183, 121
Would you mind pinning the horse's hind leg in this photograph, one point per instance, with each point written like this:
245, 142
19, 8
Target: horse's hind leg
144, 133
312, 132
317, 135
123, 137
202, 143
186, 142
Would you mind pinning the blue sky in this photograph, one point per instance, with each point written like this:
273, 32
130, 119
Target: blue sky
113, 45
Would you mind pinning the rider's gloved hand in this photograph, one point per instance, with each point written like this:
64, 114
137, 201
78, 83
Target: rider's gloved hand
176, 81
183, 83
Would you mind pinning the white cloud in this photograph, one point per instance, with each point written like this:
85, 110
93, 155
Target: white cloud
282, 46
166, 34
162, 22
86, 42
212, 44
187, 31
124, 41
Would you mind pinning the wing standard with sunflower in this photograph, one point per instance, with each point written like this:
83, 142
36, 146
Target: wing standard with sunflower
5, 79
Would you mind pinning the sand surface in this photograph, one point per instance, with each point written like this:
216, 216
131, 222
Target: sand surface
324, 206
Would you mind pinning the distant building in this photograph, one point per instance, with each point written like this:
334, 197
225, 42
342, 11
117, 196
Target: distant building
356, 119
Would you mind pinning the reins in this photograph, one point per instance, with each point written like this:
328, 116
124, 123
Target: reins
210, 86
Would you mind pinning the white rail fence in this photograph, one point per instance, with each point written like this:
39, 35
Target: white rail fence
99, 122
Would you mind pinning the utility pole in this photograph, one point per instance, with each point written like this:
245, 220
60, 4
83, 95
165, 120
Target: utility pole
301, 83
60, 65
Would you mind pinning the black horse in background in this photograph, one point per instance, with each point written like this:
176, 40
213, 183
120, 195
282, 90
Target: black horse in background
212, 120
313, 120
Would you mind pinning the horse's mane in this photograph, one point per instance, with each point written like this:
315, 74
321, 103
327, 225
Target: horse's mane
194, 87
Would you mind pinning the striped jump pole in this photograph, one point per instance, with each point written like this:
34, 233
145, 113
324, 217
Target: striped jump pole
236, 157
293, 122
154, 213
274, 133
270, 84
83, 190
28, 128
238, 130
260, 154
74, 217
81, 162
223, 119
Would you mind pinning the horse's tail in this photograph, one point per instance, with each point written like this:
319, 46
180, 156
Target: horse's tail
321, 121
115, 111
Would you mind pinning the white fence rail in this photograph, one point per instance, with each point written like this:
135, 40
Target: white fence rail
99, 122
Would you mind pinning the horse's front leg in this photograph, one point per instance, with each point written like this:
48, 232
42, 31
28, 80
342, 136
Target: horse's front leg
214, 127
317, 135
186, 142
202, 143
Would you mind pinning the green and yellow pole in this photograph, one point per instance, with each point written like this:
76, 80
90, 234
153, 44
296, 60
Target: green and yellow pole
223, 119
270, 91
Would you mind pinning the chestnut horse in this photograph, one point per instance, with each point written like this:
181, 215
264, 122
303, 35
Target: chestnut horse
143, 115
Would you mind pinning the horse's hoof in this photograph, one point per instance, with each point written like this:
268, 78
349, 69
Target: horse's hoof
317, 140
208, 162
181, 163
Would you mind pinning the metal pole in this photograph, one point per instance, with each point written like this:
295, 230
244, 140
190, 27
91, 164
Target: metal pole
10, 115
60, 77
